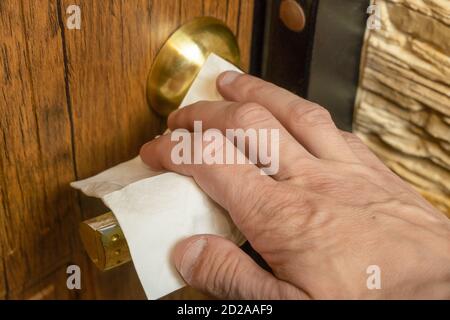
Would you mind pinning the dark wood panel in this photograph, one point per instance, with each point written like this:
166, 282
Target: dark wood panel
73, 103
38, 211
109, 60
244, 30
3, 289
52, 287
238, 15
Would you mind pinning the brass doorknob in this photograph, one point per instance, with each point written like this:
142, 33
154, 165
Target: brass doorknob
104, 241
292, 15
181, 57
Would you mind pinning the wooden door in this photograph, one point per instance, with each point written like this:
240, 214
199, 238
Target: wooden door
72, 104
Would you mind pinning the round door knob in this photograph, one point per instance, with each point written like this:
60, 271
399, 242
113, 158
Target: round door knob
292, 15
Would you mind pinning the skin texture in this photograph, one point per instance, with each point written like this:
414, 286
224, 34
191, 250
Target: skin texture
331, 211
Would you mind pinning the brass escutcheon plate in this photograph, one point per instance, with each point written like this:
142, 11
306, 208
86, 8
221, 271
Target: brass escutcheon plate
181, 57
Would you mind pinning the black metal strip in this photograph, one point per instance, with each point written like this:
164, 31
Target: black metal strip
334, 70
322, 62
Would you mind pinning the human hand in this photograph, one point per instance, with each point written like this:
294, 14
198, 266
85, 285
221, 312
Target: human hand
332, 210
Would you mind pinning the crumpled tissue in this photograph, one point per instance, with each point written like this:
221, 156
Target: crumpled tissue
156, 210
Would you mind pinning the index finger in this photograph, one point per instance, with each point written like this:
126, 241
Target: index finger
235, 187
308, 122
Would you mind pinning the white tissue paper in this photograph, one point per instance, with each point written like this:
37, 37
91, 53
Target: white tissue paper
156, 210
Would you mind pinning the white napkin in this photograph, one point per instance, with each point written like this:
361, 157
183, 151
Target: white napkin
156, 210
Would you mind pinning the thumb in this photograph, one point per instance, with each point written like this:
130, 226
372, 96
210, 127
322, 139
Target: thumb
218, 267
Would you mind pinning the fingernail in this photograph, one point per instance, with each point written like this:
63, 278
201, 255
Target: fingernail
228, 77
190, 256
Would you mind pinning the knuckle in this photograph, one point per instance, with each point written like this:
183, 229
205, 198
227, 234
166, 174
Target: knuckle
223, 281
305, 165
351, 138
242, 80
249, 114
251, 87
249, 206
315, 178
212, 145
283, 207
323, 183
217, 272
257, 89
311, 115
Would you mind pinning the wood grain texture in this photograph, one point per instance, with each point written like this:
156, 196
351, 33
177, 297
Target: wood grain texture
73, 103
38, 211
244, 27
51, 287
403, 104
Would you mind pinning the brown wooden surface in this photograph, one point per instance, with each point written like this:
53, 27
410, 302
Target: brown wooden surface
72, 104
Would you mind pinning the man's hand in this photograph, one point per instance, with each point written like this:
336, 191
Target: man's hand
331, 211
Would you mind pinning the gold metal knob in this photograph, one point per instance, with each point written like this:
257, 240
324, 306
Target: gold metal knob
292, 15
104, 241
181, 57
